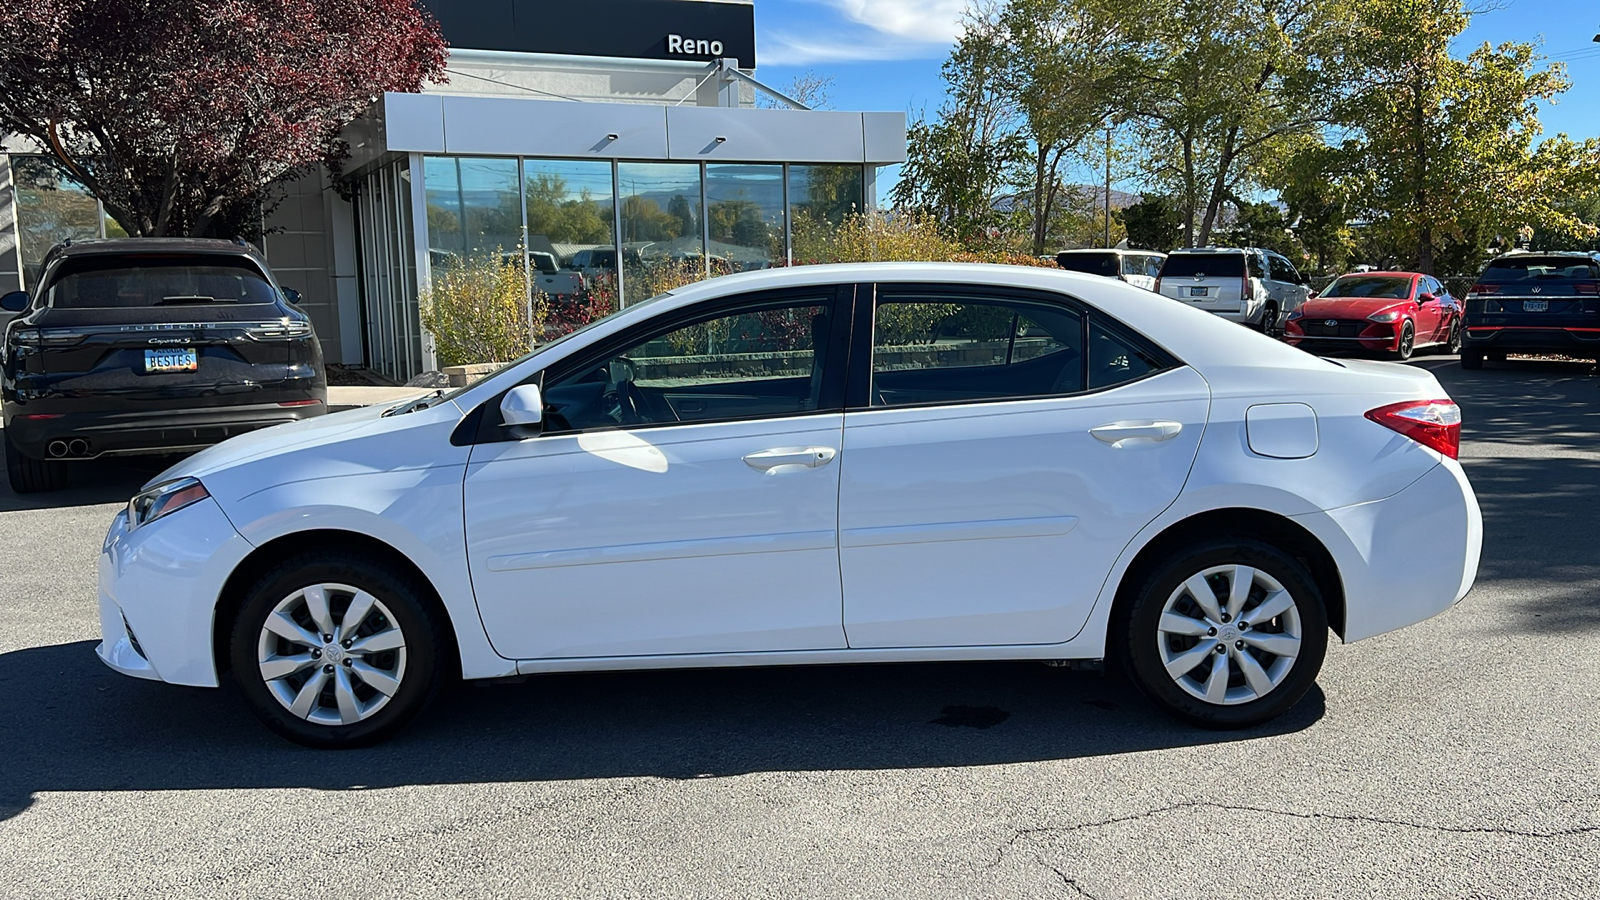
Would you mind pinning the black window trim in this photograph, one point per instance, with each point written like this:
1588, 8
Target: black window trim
489, 428
858, 391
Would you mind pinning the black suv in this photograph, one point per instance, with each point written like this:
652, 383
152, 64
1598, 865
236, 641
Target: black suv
150, 345
1529, 302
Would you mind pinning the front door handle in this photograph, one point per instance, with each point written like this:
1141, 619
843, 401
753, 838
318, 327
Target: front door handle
810, 457
1116, 433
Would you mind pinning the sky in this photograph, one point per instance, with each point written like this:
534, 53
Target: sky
885, 54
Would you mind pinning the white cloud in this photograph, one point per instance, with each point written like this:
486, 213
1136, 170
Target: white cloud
870, 30
924, 21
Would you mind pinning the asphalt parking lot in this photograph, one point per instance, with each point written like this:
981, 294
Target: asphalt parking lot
1458, 758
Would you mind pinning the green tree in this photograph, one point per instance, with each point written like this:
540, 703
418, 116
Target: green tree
1154, 223
1446, 152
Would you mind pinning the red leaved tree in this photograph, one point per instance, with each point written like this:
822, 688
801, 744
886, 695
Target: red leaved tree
180, 115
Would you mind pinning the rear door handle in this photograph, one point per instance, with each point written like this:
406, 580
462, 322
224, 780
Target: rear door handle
1116, 433
810, 457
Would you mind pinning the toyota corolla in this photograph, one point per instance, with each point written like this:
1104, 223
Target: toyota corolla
826, 464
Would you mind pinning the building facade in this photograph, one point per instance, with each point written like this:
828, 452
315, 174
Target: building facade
606, 140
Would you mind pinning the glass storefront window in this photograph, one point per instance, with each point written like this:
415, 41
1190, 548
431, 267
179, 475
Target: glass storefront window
820, 198
571, 215
662, 226
744, 211
51, 208
474, 208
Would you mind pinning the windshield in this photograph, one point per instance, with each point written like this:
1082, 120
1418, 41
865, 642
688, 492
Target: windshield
1384, 288
1541, 268
1218, 265
1090, 263
128, 281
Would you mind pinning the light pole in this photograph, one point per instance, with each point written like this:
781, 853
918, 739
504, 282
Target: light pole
1108, 177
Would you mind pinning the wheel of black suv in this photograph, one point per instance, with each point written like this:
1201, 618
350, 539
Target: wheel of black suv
1408, 342
1228, 633
31, 476
335, 650
1472, 359
1454, 346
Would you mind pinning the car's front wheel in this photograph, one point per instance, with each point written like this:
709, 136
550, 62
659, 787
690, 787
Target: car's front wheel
1226, 634
1407, 342
336, 650
30, 476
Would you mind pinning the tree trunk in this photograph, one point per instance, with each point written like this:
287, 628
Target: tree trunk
1188, 189
1219, 186
1420, 197
1040, 213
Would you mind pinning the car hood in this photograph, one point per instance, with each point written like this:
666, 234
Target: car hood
334, 444
1349, 307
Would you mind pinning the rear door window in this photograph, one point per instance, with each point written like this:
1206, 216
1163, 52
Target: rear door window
1216, 265
126, 282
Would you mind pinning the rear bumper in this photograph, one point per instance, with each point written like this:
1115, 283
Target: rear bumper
151, 430
1391, 577
1579, 340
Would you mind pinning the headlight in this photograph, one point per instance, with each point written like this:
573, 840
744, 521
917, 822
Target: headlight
168, 497
1384, 317
1297, 314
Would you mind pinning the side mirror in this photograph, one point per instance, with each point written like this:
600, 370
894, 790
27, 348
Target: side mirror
291, 295
522, 406
1426, 298
16, 301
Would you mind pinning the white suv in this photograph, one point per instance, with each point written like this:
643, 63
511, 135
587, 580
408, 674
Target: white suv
1253, 287
1139, 268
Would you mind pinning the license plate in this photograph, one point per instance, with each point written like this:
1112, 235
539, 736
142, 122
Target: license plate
1535, 305
1197, 292
174, 360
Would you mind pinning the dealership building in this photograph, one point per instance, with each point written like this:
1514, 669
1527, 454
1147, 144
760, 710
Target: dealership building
611, 137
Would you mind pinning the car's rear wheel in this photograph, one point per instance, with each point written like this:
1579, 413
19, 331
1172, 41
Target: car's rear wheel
1454, 344
1269, 319
1472, 359
1407, 342
31, 476
335, 650
1226, 634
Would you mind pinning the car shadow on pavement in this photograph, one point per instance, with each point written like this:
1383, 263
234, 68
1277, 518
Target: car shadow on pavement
91, 483
69, 724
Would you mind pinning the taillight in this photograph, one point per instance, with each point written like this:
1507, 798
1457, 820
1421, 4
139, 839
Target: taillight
1431, 423
298, 402
46, 337
1592, 288
1484, 289
1244, 291
278, 331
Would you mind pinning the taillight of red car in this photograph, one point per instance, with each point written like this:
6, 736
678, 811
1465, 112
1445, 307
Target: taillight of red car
1431, 423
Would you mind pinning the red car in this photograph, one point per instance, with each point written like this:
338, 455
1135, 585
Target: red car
1386, 312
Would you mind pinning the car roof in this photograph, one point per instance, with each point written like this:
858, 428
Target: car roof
1110, 250
99, 246
1385, 273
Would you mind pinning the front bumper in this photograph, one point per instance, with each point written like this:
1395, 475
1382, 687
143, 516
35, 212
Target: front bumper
1371, 336
1405, 558
150, 431
159, 587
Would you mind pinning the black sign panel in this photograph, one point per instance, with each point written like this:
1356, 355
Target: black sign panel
635, 29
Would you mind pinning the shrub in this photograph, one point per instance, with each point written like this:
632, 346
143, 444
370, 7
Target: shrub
478, 310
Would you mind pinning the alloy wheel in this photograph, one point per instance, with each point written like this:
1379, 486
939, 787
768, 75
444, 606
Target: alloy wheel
1229, 634
332, 654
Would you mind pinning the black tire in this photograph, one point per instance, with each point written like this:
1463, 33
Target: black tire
420, 671
31, 476
1499, 356
1269, 319
1472, 359
1408, 342
1453, 346
1140, 638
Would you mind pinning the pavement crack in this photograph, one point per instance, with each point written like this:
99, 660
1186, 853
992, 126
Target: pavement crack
1068, 881
1020, 833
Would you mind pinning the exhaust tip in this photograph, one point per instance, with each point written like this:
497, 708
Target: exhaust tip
78, 447
57, 448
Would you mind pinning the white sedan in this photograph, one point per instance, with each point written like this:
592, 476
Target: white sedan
825, 464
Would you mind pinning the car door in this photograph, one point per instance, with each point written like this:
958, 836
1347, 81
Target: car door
1295, 291
1000, 451
1431, 316
681, 496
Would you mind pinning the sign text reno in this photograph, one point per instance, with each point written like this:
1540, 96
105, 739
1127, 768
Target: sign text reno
677, 43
